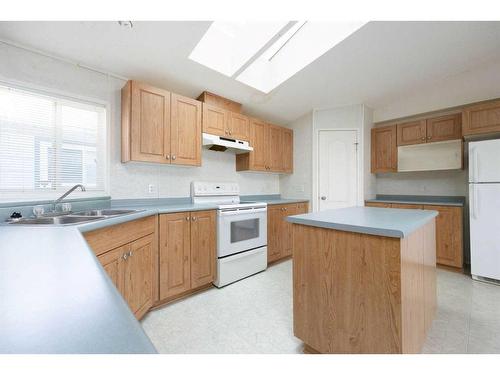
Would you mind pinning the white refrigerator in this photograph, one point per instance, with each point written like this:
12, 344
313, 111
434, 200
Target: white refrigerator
484, 209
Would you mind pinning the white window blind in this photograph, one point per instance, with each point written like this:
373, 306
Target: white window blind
48, 144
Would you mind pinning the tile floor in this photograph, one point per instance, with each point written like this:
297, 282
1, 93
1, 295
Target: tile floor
255, 316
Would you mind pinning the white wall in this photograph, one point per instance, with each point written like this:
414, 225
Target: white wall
350, 117
299, 184
129, 180
423, 183
468, 87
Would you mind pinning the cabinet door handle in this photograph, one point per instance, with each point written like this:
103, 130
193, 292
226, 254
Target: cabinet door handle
429, 137
173, 157
193, 218
187, 218
130, 253
167, 157
125, 256
423, 138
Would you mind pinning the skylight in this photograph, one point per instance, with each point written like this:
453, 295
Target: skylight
265, 54
227, 46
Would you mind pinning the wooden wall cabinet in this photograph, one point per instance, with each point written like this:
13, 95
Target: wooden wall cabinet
279, 231
287, 150
224, 123
185, 133
436, 129
128, 253
160, 127
219, 102
273, 149
449, 230
239, 126
411, 133
187, 252
481, 118
215, 120
384, 149
444, 128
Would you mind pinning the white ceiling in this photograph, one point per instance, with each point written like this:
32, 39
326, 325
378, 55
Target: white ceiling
375, 66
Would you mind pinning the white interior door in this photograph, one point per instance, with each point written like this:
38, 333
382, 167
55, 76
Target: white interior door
338, 169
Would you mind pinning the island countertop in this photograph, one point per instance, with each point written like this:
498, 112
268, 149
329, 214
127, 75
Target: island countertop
388, 222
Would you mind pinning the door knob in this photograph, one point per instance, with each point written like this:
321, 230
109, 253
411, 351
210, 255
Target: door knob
323, 198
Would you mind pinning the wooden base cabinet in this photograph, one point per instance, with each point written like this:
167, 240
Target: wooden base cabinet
279, 231
128, 253
449, 241
187, 252
449, 230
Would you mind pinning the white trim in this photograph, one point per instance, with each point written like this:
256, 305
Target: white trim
51, 92
60, 58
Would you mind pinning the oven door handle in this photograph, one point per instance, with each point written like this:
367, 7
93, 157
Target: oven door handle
242, 211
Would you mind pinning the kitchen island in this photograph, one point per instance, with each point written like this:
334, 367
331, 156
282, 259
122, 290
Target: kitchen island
364, 279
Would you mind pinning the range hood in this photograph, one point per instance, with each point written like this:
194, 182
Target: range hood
217, 143
433, 156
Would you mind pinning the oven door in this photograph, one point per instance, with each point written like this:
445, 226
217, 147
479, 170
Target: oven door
240, 230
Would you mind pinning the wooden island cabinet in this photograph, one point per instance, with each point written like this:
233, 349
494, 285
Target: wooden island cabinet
361, 286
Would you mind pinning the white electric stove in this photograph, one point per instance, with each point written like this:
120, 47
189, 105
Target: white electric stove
241, 230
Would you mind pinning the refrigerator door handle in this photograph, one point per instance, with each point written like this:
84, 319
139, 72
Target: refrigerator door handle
474, 202
474, 164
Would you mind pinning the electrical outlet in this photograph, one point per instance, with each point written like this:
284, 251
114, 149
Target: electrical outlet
299, 188
151, 189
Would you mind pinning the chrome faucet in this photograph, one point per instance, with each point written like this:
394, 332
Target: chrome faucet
58, 200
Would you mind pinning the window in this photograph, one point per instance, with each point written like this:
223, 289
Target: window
263, 55
49, 144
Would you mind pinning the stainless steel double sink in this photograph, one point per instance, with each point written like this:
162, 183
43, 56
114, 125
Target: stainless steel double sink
73, 218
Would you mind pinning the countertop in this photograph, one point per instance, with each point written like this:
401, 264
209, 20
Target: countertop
458, 201
273, 201
56, 298
388, 222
